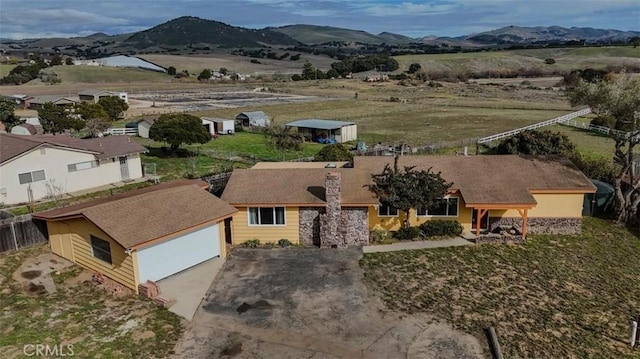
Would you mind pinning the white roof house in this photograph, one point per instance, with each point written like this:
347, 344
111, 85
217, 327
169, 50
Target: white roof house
129, 61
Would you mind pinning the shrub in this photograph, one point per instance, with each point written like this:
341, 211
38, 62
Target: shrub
440, 227
283, 243
604, 121
379, 236
252, 243
549, 61
269, 245
409, 233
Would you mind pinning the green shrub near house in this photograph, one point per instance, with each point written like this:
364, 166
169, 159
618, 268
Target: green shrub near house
441, 228
407, 233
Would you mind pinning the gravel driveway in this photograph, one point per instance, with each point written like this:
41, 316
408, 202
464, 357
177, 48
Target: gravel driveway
309, 303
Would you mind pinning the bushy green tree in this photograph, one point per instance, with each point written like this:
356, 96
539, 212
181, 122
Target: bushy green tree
619, 99
114, 106
205, 75
284, 138
408, 188
56, 119
171, 71
334, 152
178, 129
536, 143
94, 116
7, 114
414, 67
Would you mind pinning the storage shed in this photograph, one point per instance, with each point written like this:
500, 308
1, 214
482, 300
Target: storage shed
223, 126
326, 131
253, 119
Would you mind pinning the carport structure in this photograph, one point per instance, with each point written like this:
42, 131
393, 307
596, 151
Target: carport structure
326, 131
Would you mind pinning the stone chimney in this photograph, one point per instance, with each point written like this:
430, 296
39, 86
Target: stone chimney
330, 220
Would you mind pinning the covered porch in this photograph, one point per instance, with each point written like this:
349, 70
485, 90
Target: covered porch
480, 217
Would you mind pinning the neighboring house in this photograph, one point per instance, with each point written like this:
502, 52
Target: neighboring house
24, 129
31, 165
253, 119
135, 236
94, 96
536, 195
326, 131
35, 103
222, 126
18, 100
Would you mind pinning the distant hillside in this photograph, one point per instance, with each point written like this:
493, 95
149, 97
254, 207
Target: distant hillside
189, 30
313, 35
530, 35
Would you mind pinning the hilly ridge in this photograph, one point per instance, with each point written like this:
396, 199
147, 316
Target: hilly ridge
193, 30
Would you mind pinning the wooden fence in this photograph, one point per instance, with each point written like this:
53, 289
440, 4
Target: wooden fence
20, 232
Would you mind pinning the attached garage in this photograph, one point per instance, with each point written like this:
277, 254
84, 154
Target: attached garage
162, 260
136, 236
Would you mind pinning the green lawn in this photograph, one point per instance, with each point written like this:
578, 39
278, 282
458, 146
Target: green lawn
96, 324
554, 297
243, 146
5, 69
103, 74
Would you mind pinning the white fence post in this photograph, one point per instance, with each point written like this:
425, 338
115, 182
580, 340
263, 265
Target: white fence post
13, 234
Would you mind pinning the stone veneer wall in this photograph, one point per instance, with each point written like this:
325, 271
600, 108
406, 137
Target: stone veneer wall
540, 225
354, 226
330, 221
310, 225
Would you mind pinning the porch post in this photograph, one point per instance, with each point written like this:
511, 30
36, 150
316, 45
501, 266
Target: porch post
524, 224
478, 220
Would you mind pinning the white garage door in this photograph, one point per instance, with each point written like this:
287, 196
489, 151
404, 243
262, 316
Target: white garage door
170, 257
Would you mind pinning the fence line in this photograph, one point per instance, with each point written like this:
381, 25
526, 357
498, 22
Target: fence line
122, 131
552, 121
20, 232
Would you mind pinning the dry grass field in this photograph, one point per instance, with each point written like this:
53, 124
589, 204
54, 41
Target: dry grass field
553, 297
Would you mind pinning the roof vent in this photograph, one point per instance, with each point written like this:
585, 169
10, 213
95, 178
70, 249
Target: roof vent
331, 165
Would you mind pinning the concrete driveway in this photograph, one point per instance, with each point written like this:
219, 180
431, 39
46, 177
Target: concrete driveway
309, 303
190, 286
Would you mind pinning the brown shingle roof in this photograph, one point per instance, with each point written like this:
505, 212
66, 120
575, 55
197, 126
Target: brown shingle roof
506, 179
106, 147
295, 186
138, 217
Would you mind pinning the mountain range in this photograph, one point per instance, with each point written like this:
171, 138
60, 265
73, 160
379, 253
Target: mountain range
189, 33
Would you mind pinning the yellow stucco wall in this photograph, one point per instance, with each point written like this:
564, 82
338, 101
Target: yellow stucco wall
393, 223
556, 205
243, 232
75, 234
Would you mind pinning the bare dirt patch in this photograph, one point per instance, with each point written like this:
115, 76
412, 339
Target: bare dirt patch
292, 303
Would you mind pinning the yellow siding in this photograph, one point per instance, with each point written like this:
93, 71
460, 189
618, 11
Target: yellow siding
243, 232
79, 232
55, 238
393, 223
554, 205
223, 243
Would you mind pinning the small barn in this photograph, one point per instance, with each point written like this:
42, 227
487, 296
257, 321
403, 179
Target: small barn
326, 131
253, 119
144, 125
223, 126
94, 96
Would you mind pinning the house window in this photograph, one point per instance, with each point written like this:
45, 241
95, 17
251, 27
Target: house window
101, 249
446, 207
82, 166
266, 216
385, 210
29, 177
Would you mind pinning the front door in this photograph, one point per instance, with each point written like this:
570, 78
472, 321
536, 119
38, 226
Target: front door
484, 221
124, 168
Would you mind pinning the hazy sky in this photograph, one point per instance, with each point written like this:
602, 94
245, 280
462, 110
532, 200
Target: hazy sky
415, 18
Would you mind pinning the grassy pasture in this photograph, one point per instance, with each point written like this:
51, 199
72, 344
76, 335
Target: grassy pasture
566, 59
5, 68
103, 74
554, 297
